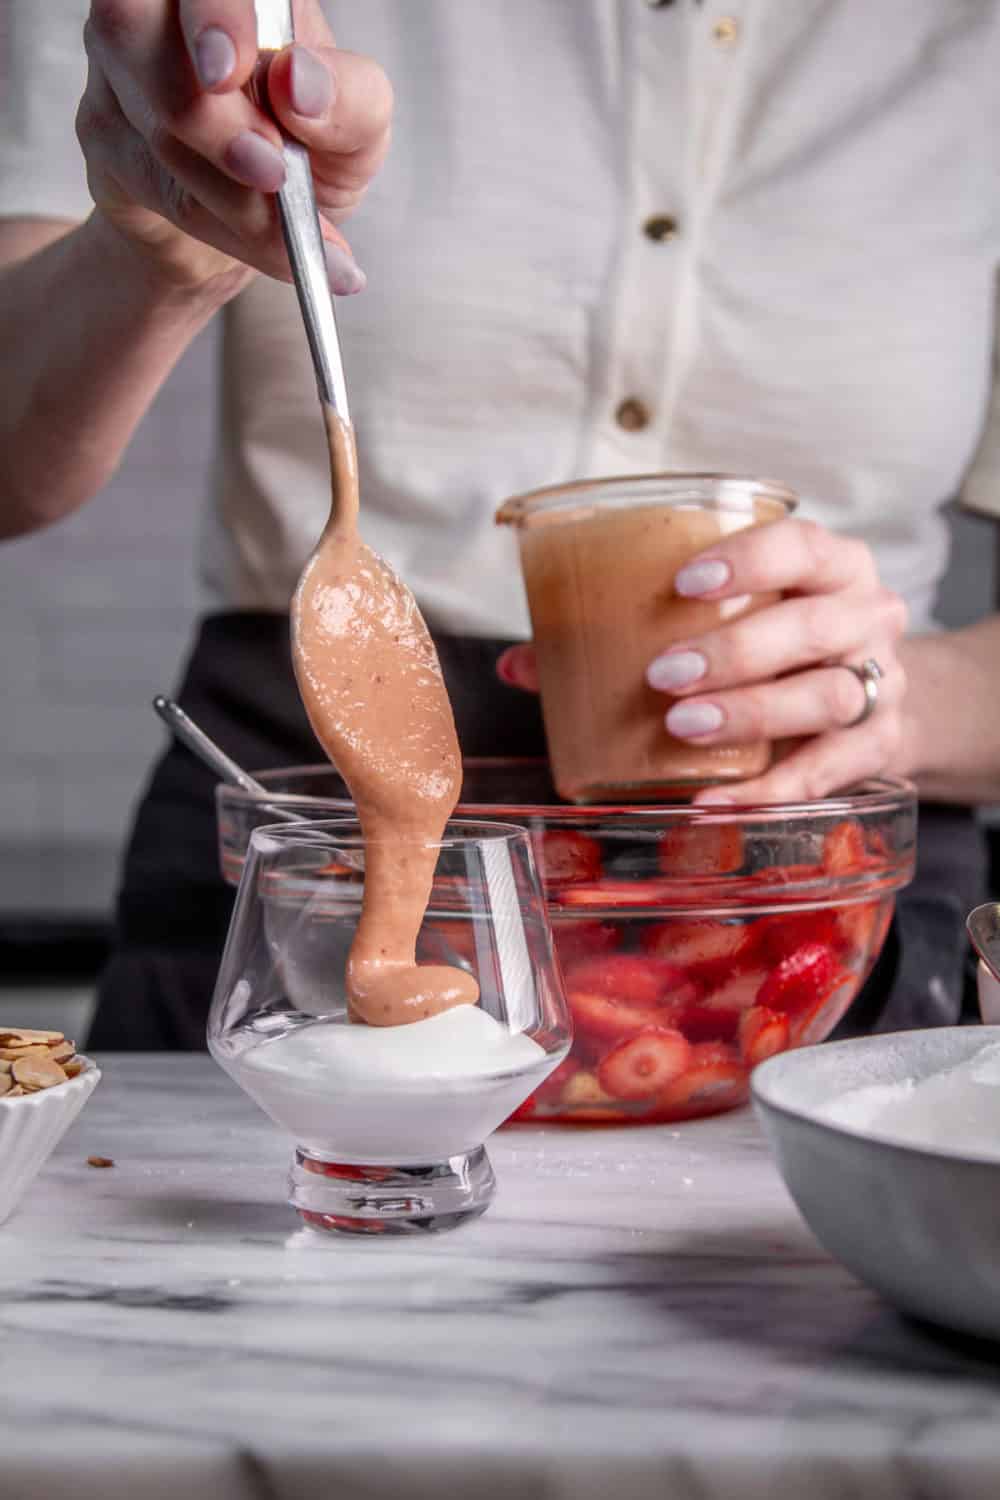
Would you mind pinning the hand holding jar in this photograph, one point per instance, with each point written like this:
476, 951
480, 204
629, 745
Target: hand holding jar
774, 638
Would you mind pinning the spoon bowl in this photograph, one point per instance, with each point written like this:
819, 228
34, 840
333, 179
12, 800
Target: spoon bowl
983, 927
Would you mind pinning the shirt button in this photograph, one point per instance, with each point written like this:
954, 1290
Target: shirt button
632, 414
660, 227
726, 31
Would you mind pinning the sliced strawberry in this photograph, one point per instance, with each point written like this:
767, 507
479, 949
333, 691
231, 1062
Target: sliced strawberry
701, 849
563, 855
799, 979
856, 926
701, 1021
773, 938
715, 1017
644, 1064
877, 846
844, 848
714, 1080
627, 976
816, 1023
583, 1098
726, 985
762, 1033
599, 1018
557, 1080
575, 939
694, 942
614, 894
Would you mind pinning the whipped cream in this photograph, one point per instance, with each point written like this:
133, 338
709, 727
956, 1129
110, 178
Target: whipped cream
395, 1095
957, 1109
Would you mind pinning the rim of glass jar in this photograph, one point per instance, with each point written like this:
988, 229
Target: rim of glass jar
307, 831
623, 490
874, 794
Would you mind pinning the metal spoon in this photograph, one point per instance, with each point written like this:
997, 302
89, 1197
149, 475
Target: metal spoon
213, 756
983, 927
303, 239
304, 242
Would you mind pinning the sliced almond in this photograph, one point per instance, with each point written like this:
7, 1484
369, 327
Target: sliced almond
73, 1067
100, 1161
62, 1051
12, 1035
5, 1065
6, 1083
15, 1092
38, 1073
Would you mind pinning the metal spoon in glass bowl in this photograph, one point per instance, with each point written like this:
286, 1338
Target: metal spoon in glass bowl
190, 734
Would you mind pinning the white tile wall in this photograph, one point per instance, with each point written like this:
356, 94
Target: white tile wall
95, 615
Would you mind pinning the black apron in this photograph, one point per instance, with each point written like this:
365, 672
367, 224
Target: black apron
173, 908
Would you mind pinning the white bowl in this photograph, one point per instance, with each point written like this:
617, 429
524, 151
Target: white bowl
32, 1125
920, 1224
989, 996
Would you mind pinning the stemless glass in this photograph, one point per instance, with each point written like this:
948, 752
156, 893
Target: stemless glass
389, 1122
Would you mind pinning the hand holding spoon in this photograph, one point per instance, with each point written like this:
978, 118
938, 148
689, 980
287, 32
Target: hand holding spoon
366, 666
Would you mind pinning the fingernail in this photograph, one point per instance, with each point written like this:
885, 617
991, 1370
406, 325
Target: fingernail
702, 577
309, 84
714, 799
214, 57
345, 275
676, 669
688, 720
255, 161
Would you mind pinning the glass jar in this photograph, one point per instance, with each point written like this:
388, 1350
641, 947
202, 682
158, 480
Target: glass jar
599, 560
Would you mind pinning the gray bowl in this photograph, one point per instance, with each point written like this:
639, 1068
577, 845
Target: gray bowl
920, 1225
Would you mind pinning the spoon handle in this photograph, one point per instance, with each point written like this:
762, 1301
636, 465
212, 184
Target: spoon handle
213, 756
207, 751
303, 240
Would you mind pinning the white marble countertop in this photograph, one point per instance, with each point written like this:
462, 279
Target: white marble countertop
641, 1314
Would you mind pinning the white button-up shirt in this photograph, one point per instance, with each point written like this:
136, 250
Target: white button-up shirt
614, 236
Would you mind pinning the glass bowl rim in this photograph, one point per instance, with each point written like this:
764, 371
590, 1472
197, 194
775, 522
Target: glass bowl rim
872, 795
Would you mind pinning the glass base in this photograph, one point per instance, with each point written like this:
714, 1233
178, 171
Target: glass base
665, 790
336, 1197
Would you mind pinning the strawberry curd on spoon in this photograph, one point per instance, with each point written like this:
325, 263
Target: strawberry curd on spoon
371, 684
